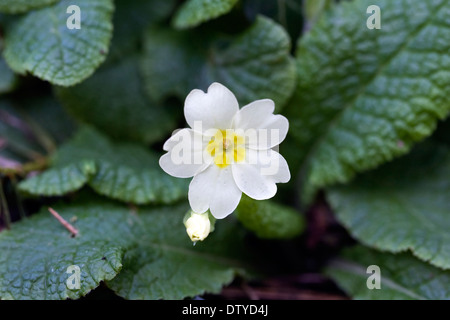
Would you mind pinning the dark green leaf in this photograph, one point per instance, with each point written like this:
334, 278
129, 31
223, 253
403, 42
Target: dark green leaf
122, 171
166, 265
254, 64
42, 44
402, 206
269, 220
120, 109
131, 19
313, 10
365, 96
20, 6
150, 246
402, 276
194, 12
35, 254
7, 77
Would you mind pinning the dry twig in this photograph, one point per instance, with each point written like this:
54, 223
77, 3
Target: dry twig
67, 225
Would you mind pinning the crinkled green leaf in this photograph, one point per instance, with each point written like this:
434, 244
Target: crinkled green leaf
269, 220
35, 254
58, 181
402, 276
194, 12
366, 96
7, 77
402, 205
165, 264
41, 43
122, 171
21, 6
150, 246
254, 64
129, 113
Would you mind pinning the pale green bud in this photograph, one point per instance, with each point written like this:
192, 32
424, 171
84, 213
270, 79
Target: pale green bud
198, 225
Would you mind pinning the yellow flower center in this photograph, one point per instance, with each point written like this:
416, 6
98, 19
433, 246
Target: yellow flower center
226, 147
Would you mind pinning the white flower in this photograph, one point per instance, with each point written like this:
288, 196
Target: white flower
227, 150
198, 225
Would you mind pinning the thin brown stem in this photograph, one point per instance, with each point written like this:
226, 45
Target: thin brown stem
61, 220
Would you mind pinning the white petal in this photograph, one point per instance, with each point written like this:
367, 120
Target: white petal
201, 189
180, 170
283, 174
187, 154
258, 175
214, 189
264, 130
227, 195
254, 114
178, 136
250, 181
214, 109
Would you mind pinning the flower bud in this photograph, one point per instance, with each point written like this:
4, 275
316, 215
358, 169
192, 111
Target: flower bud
198, 225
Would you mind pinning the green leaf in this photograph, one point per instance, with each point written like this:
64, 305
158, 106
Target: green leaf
149, 247
194, 12
165, 264
402, 276
401, 206
254, 64
313, 10
35, 254
366, 96
42, 44
288, 13
59, 181
21, 6
130, 114
269, 220
131, 19
122, 171
47, 113
7, 77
